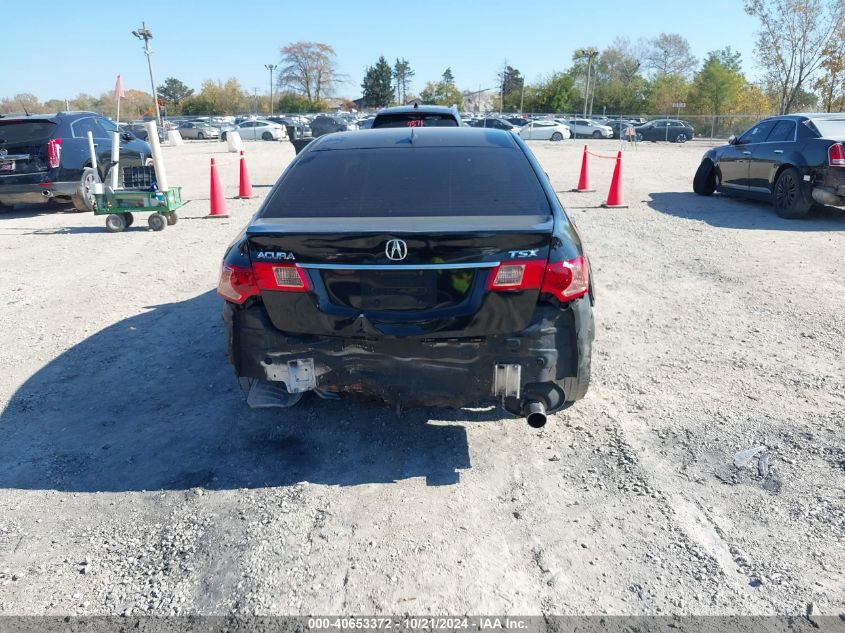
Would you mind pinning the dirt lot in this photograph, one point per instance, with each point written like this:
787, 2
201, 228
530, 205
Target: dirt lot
134, 479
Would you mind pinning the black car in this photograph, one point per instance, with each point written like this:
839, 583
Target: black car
46, 157
495, 123
672, 130
621, 128
325, 124
516, 121
417, 116
793, 160
438, 269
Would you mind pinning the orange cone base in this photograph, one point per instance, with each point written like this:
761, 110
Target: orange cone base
582, 190
245, 197
614, 206
217, 215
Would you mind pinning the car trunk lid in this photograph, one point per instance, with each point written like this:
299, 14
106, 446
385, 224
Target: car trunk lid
25, 147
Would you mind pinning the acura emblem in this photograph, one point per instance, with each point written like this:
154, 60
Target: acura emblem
396, 250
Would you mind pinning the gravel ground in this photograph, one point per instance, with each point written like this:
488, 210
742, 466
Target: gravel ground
703, 474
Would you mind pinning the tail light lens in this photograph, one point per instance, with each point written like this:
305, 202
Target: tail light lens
286, 277
54, 152
524, 275
237, 284
567, 280
836, 155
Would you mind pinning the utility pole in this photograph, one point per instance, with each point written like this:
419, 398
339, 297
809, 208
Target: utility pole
522, 96
146, 35
589, 53
271, 68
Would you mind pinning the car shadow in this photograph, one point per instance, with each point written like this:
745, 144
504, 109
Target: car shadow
151, 403
740, 213
21, 211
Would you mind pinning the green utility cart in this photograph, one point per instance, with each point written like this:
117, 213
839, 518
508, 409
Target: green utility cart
138, 195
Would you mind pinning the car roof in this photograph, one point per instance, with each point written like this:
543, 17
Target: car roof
415, 137
45, 117
425, 109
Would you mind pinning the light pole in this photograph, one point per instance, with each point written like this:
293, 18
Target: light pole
522, 96
589, 53
271, 68
146, 35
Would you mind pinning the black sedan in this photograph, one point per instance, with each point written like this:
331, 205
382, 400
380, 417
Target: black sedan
621, 128
672, 130
793, 160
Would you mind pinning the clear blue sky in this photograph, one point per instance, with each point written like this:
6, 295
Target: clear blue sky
55, 50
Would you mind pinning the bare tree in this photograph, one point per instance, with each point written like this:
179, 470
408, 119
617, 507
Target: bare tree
309, 69
793, 38
669, 54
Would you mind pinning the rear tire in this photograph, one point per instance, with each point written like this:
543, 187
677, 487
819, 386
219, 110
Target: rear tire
172, 218
704, 181
83, 199
681, 138
267, 136
200, 136
130, 219
115, 223
557, 136
790, 197
157, 221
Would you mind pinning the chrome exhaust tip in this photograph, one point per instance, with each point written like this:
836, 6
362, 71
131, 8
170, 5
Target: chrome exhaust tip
536, 414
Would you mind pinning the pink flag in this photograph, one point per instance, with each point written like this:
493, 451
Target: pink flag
118, 88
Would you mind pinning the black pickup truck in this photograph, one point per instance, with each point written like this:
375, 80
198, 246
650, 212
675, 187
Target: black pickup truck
46, 157
426, 266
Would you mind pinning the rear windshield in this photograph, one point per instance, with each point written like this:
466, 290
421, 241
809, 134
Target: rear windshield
415, 120
16, 132
431, 181
831, 128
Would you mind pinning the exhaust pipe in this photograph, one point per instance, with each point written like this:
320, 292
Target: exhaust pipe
536, 414
46, 193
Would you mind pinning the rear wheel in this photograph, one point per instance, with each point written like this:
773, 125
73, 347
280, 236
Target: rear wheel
172, 218
129, 219
681, 138
557, 136
704, 182
201, 136
157, 221
790, 197
83, 199
267, 136
115, 223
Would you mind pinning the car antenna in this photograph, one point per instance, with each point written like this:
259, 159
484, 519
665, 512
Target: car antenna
24, 107
413, 138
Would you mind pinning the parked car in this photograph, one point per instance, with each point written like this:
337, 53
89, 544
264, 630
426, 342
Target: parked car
417, 116
624, 129
587, 128
260, 129
672, 130
325, 124
545, 131
438, 269
518, 121
140, 131
198, 130
495, 123
46, 157
793, 161
294, 126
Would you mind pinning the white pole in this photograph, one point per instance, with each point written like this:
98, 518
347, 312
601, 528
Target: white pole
93, 154
115, 159
158, 160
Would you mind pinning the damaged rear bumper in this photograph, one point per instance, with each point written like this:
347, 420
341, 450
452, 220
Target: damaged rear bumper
548, 361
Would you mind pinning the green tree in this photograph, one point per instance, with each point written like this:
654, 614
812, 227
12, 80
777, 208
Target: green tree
665, 90
619, 87
510, 87
448, 78
378, 84
555, 93
292, 102
718, 84
402, 75
441, 93
216, 98
174, 92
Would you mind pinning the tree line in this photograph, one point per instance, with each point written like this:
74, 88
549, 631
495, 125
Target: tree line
800, 47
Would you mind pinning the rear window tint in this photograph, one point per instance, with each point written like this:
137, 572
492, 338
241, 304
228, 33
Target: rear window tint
406, 182
415, 120
13, 132
831, 128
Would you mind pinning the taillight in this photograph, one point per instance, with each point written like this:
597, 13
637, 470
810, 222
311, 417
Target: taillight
287, 277
567, 280
525, 275
236, 283
54, 152
836, 155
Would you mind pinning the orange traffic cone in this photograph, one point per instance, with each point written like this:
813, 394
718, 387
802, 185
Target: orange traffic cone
245, 187
584, 180
615, 199
218, 202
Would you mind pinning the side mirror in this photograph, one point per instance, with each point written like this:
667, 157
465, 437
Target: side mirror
128, 136
732, 139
